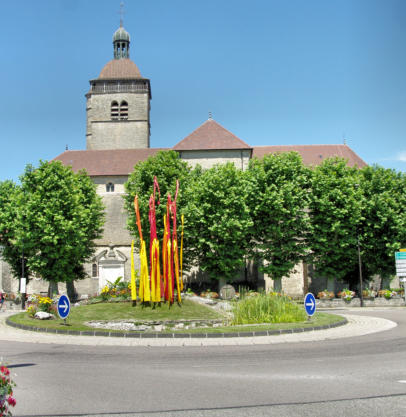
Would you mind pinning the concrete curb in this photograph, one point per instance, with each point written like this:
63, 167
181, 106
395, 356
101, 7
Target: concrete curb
157, 335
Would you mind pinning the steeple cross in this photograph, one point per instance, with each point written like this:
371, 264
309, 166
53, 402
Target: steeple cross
121, 13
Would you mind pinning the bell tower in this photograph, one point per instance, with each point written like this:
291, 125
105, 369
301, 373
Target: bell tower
118, 102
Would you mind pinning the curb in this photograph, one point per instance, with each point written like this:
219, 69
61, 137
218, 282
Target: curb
156, 335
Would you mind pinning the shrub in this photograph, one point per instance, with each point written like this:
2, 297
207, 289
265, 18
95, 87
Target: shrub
267, 308
31, 310
346, 294
44, 304
6, 391
325, 294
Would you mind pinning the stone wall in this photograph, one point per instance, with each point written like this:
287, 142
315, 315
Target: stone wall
104, 133
293, 285
118, 182
115, 226
208, 158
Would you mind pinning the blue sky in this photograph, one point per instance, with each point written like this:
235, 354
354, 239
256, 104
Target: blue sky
273, 72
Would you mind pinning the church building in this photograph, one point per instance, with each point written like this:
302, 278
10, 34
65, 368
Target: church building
118, 137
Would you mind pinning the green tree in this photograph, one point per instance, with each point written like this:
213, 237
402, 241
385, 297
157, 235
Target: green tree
217, 220
336, 203
278, 198
10, 228
383, 225
59, 215
167, 167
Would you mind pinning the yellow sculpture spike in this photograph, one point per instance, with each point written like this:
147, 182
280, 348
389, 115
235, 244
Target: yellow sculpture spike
133, 283
153, 270
175, 260
165, 256
158, 275
181, 254
144, 267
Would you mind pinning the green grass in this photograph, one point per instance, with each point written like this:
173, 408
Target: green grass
188, 311
267, 308
319, 319
121, 311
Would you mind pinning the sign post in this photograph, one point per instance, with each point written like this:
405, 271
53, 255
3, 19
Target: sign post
310, 304
400, 260
63, 307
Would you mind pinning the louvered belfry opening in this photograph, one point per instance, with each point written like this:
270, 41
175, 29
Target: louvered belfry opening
123, 110
114, 110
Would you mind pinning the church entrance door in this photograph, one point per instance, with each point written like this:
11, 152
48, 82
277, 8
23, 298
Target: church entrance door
109, 273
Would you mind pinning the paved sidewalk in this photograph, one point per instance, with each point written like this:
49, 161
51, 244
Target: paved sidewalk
357, 326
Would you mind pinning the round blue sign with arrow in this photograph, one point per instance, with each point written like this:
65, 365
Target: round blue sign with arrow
63, 306
310, 304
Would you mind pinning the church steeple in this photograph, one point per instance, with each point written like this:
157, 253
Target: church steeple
121, 43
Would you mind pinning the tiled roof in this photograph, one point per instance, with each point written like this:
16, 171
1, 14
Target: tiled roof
210, 135
106, 162
120, 68
313, 154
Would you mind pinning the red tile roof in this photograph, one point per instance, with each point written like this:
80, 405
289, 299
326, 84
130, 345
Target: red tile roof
120, 68
313, 154
106, 162
210, 135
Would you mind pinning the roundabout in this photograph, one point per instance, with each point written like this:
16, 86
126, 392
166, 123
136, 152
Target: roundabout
356, 368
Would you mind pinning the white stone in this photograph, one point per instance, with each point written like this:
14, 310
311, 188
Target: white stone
43, 315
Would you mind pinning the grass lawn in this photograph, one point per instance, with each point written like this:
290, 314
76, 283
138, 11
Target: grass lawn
188, 311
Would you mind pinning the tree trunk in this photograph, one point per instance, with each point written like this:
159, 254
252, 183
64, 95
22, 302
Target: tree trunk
277, 285
70, 288
331, 284
52, 289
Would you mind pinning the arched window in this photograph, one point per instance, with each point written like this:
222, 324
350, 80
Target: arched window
95, 270
114, 110
109, 187
123, 110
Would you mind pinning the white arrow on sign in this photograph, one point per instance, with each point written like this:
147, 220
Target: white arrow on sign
65, 306
311, 304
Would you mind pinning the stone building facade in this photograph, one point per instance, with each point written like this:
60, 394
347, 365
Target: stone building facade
118, 137
118, 102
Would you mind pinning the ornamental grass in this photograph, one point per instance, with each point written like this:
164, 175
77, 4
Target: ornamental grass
267, 308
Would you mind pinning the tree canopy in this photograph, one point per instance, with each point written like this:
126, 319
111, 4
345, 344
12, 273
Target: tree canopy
57, 217
278, 198
217, 220
168, 168
383, 223
335, 209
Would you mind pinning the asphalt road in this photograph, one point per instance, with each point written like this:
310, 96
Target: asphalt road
356, 376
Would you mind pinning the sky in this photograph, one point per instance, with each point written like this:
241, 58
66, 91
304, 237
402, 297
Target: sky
273, 72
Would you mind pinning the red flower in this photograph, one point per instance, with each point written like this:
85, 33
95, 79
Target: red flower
5, 370
11, 401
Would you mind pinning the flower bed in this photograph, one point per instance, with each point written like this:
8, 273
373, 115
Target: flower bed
346, 294
325, 295
6, 391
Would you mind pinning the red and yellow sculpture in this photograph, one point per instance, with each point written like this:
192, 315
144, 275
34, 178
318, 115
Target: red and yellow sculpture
153, 285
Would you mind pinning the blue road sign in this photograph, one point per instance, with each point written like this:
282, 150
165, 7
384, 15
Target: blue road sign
310, 304
63, 306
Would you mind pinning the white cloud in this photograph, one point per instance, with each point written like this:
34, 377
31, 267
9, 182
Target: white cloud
401, 156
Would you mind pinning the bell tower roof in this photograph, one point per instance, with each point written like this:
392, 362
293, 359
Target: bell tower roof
121, 35
121, 43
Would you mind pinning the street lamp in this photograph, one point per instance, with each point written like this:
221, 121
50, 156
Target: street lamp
360, 272
23, 281
359, 264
